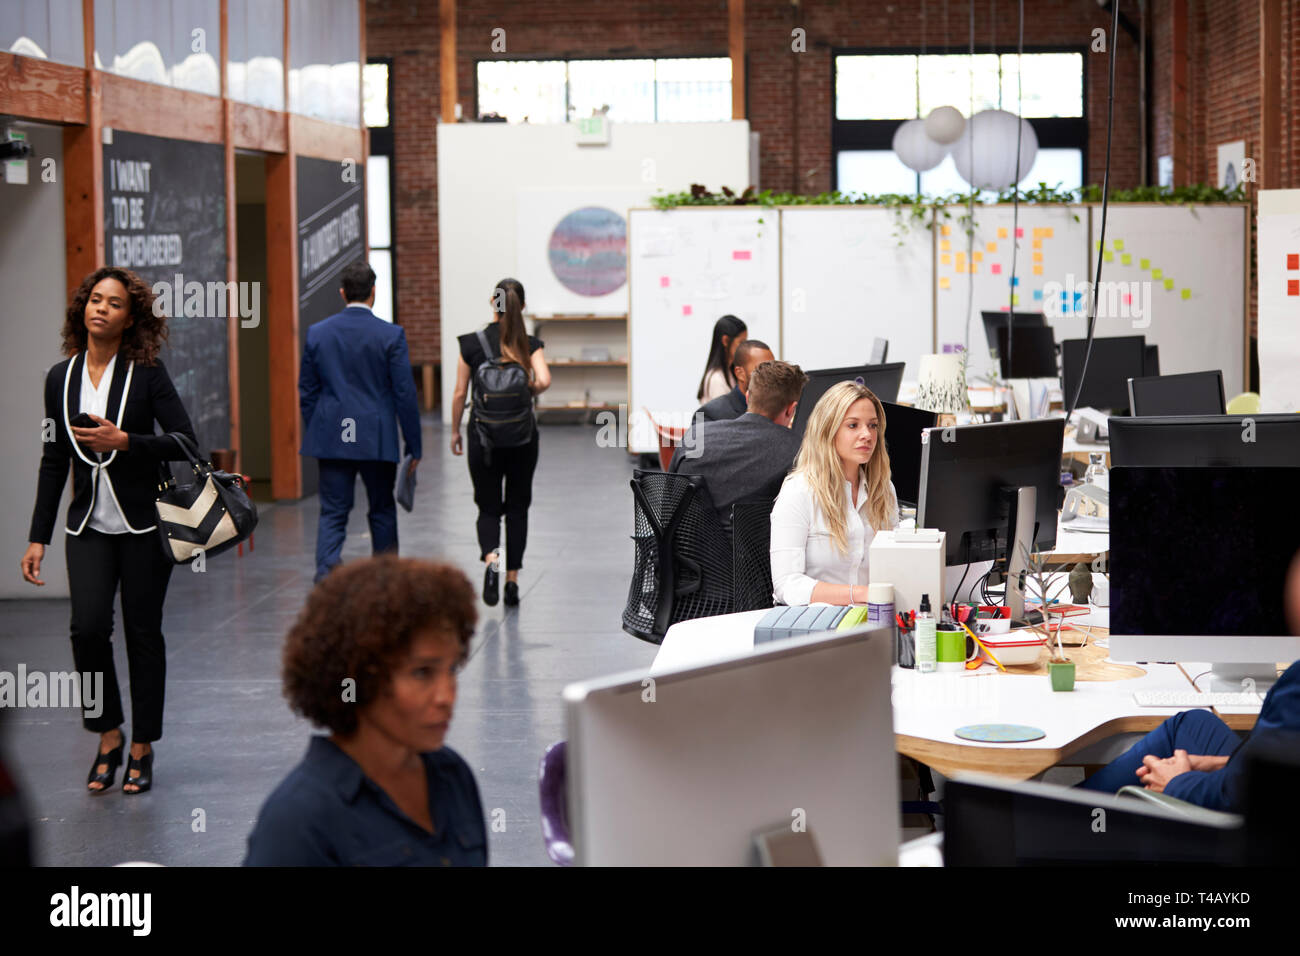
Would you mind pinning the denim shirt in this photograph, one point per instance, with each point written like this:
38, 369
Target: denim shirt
327, 812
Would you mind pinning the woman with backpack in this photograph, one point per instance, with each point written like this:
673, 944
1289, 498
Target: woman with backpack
506, 367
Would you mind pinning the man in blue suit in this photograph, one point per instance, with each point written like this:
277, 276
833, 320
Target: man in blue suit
354, 387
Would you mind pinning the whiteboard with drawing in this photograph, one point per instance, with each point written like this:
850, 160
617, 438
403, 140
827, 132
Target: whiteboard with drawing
851, 274
1177, 275
687, 268
973, 271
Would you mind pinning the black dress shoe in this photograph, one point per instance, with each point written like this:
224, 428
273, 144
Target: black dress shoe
145, 780
113, 759
512, 594
491, 585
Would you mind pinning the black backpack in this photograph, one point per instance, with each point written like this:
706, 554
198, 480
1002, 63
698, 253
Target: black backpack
503, 402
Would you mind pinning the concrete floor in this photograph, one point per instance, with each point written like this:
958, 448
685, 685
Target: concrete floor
229, 737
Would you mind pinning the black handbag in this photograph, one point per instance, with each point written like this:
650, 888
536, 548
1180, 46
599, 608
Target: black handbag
208, 516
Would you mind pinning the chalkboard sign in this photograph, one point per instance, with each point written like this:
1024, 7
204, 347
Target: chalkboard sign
165, 219
331, 234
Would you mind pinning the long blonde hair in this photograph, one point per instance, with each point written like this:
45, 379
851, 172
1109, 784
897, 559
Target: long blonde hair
820, 465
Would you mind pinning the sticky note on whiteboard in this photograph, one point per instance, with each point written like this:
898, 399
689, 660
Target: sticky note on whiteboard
1127, 258
686, 310
945, 230
1187, 293
663, 282
1157, 273
741, 254
1169, 283
1119, 245
996, 268
1144, 263
943, 282
1002, 233
945, 259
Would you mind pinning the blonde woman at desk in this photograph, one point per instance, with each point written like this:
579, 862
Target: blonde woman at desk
833, 502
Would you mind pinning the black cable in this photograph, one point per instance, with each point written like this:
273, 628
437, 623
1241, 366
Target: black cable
956, 596
1105, 202
1015, 186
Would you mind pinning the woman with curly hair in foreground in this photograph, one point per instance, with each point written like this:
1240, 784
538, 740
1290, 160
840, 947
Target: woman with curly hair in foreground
373, 658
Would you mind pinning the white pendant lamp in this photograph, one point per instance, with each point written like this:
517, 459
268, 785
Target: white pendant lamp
985, 153
915, 149
945, 124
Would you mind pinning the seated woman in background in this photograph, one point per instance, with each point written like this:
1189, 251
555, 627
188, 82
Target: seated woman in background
833, 502
373, 658
719, 379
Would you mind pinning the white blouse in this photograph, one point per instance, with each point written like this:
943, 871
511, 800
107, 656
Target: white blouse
106, 517
803, 551
715, 385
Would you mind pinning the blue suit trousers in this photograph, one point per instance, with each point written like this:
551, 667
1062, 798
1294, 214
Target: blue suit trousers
338, 477
1196, 731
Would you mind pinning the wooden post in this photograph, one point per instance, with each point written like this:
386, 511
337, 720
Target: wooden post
1181, 121
447, 60
1269, 161
232, 272
83, 171
736, 49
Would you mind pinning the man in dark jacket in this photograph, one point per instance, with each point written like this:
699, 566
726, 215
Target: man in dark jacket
354, 388
750, 354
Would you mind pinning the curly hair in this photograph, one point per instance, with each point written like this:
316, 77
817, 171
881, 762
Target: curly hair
147, 333
359, 622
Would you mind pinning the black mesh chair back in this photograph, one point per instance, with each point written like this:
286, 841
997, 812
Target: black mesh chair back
751, 558
682, 560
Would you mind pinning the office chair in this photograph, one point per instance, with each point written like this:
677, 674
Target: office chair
552, 778
751, 555
669, 439
682, 565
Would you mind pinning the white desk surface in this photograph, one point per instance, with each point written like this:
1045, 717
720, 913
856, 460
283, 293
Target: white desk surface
933, 706
1078, 542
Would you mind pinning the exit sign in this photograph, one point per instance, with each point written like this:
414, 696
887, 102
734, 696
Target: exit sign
593, 131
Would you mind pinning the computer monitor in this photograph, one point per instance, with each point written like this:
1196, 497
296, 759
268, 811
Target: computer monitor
1225, 440
1198, 565
903, 428
998, 320
1032, 353
683, 767
965, 472
1192, 393
883, 380
1114, 361
1151, 361
879, 351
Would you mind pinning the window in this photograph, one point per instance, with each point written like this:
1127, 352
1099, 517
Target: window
374, 94
695, 89
380, 171
874, 92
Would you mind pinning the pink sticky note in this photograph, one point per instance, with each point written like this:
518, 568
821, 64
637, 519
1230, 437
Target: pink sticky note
1127, 298
686, 310
996, 268
1020, 233
663, 281
740, 254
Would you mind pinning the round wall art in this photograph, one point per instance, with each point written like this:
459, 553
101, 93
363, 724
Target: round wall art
588, 251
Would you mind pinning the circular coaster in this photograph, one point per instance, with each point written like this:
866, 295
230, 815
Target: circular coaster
999, 733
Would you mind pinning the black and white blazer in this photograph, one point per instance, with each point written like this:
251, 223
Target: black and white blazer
138, 396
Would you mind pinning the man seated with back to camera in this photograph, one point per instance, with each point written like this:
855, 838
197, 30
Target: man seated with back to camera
750, 354
747, 457
1194, 755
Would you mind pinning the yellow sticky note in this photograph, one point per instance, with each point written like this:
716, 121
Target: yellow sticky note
1157, 273
961, 258
1127, 258
1144, 263
1119, 244
1169, 283
991, 247
943, 282
1038, 233
1047, 233
977, 256
1108, 256
945, 245
1038, 243
1015, 300
1002, 233
1097, 244
945, 230
1187, 293
946, 259
1038, 257
974, 268
1038, 270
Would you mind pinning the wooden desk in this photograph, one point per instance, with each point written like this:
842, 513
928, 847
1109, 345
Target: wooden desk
929, 707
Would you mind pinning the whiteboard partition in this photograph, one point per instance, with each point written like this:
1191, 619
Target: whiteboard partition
973, 272
1278, 253
850, 275
687, 268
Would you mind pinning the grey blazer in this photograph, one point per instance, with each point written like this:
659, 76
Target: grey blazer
745, 457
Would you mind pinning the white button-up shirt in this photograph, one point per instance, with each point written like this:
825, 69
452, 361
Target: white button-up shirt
803, 551
106, 517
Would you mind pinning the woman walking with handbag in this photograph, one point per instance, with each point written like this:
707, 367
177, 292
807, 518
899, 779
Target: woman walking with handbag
509, 369
103, 401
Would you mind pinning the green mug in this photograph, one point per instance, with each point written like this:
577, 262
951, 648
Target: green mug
953, 649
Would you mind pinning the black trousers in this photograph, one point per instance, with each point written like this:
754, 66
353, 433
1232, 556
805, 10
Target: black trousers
97, 565
514, 467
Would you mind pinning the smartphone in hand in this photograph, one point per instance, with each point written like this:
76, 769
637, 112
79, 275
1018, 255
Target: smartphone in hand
83, 420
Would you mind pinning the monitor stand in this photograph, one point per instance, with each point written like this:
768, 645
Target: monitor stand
1242, 678
1019, 545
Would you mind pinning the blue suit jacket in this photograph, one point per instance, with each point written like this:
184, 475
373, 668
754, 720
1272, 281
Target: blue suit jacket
354, 387
1221, 789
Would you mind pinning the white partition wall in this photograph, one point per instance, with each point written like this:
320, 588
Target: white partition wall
1279, 299
851, 274
687, 267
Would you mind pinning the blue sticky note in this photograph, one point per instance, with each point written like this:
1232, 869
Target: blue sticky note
1038, 295
1015, 280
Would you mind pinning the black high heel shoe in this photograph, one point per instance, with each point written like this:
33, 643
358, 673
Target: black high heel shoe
145, 780
113, 759
491, 584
